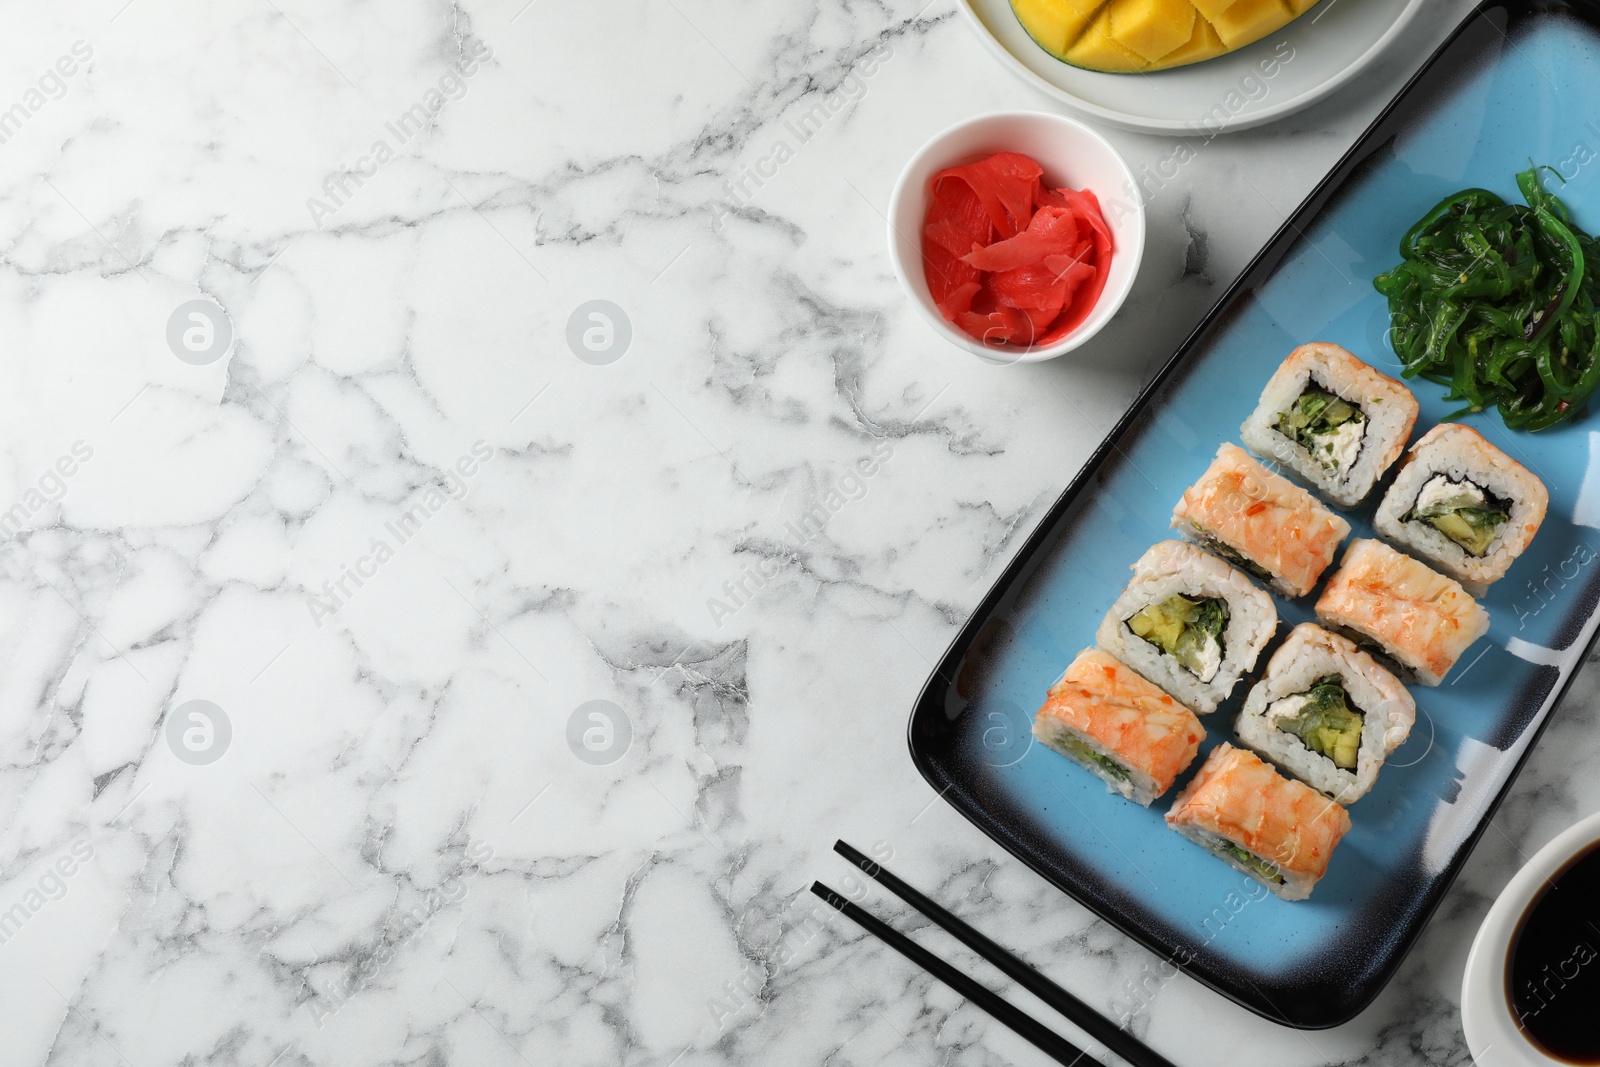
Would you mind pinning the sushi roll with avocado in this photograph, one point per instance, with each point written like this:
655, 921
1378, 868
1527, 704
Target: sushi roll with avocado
1402, 610
1127, 732
1332, 420
1326, 713
1463, 505
1279, 832
1189, 623
1261, 522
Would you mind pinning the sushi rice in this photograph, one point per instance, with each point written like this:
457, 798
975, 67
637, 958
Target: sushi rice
1326, 713
1463, 505
1189, 623
1337, 423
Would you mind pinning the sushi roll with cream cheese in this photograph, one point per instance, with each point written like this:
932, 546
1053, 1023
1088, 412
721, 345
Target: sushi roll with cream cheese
1337, 423
1326, 713
1463, 505
1189, 623
1279, 832
1260, 521
1118, 726
1389, 603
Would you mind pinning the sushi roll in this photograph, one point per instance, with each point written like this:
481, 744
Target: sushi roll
1333, 420
1463, 505
1119, 727
1260, 521
1389, 603
1326, 713
1277, 831
1189, 623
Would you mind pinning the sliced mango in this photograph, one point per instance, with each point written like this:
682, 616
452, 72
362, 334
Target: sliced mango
1124, 36
1098, 49
1202, 44
1055, 24
1152, 28
1250, 20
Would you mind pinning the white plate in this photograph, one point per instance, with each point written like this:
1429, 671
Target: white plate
1308, 59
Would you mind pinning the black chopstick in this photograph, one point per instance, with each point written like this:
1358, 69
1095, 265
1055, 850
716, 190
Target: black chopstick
1051, 1043
1090, 1021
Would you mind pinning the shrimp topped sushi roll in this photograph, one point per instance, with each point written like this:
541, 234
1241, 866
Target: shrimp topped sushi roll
1277, 831
1119, 727
1260, 521
1326, 713
1333, 420
1464, 505
1189, 623
1403, 609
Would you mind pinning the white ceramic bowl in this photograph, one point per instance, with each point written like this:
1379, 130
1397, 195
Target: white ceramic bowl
1492, 1032
1071, 154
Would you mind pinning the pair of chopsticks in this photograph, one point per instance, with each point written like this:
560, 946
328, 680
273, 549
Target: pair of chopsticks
1097, 1026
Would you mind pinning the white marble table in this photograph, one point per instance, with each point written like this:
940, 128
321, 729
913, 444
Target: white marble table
399, 536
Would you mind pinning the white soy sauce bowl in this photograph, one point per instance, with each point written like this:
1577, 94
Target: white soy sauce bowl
1493, 1035
1071, 154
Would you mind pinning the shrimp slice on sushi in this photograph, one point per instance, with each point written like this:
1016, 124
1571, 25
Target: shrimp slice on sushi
1280, 832
1105, 717
1405, 611
1261, 522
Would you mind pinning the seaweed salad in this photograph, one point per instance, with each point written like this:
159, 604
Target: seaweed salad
1497, 301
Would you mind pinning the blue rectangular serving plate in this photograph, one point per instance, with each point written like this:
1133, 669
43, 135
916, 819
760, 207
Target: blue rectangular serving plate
1509, 86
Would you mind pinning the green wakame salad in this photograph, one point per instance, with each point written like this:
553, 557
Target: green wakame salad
1498, 302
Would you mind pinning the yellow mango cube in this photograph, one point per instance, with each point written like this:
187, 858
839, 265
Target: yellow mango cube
1152, 28
1250, 20
1055, 24
1098, 49
1202, 44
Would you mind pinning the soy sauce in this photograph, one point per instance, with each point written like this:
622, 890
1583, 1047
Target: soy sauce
1553, 969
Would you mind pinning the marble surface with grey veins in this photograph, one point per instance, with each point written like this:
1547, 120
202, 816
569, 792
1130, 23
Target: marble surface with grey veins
402, 665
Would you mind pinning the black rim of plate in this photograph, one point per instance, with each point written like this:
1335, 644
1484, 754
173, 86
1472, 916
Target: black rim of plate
1320, 999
